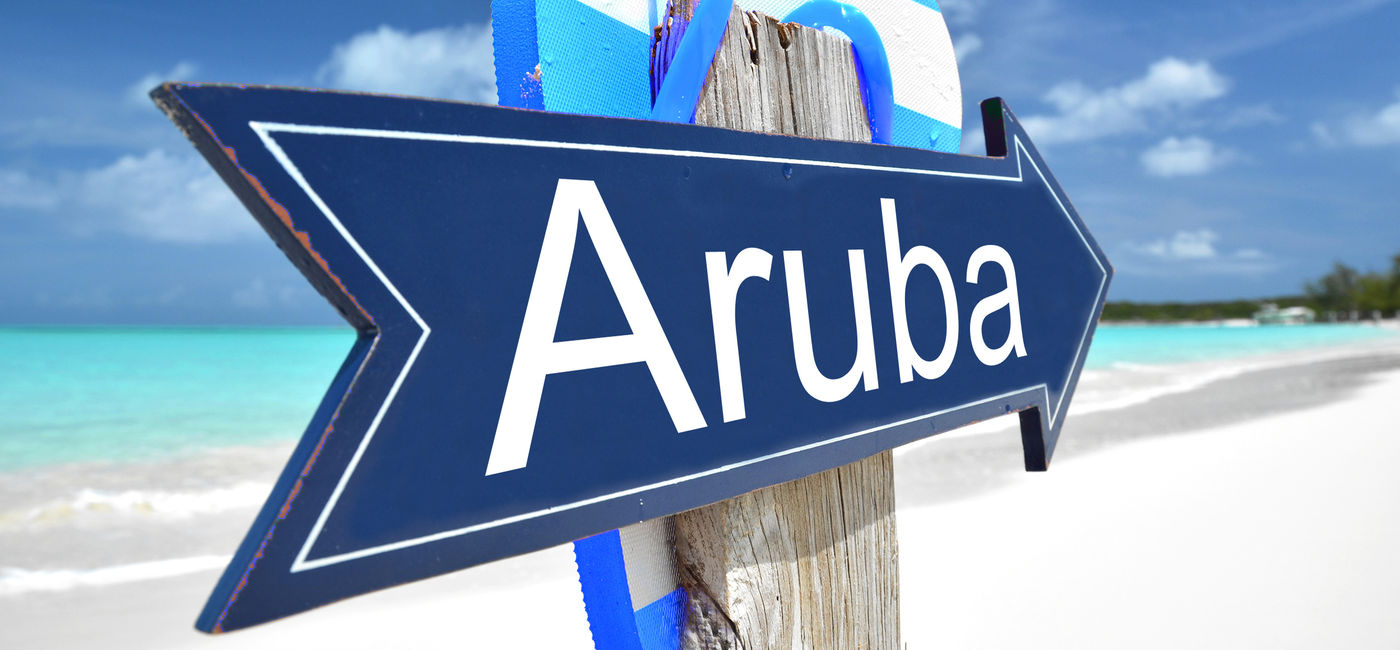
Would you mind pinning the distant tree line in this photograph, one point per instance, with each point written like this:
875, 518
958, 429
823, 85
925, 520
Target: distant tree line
1342, 290
1345, 289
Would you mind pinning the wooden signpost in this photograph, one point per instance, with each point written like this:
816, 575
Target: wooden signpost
569, 324
813, 563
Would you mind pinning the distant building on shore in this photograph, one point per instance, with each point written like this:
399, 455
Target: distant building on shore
1270, 314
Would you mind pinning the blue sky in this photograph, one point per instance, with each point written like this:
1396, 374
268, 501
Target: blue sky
1217, 150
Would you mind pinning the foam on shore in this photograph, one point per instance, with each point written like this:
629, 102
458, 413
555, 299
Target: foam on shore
94, 504
18, 582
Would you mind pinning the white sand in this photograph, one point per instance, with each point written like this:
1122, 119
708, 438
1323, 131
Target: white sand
1280, 533
531, 601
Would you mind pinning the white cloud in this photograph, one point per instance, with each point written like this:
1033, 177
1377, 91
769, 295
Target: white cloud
1184, 245
447, 63
1385, 126
259, 295
155, 196
19, 190
1183, 157
1323, 134
137, 94
974, 142
966, 46
959, 12
1195, 251
163, 197
1378, 129
1086, 114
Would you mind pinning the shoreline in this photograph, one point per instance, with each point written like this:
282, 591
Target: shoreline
91, 561
253, 458
1390, 323
988, 456
217, 492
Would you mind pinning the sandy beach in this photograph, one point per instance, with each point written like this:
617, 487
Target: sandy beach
1248, 504
1259, 511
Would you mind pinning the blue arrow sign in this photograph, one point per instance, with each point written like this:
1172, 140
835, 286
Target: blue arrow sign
569, 323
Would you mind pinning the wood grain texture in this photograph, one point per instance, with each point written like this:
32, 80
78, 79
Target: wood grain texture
783, 78
813, 563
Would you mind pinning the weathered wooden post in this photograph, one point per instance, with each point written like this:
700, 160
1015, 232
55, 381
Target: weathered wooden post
813, 563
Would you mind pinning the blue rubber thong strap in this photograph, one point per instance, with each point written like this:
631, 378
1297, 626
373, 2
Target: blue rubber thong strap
602, 574
872, 64
685, 78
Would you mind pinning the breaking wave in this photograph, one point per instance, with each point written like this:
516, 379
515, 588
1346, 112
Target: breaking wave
15, 581
90, 504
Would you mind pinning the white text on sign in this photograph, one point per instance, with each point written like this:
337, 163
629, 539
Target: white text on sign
538, 355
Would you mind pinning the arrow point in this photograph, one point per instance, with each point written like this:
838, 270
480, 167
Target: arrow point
1041, 425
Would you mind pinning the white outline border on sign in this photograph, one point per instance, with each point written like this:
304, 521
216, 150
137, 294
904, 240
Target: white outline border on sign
264, 131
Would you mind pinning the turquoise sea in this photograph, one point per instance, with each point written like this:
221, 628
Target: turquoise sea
127, 394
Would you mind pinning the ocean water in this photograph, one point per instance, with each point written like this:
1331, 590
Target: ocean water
129, 455
1130, 345
84, 394
71, 395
